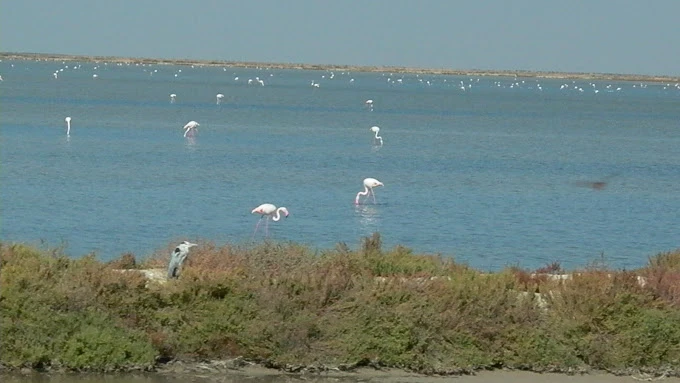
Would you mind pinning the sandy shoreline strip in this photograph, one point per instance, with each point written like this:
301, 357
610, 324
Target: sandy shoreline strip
350, 68
258, 374
497, 376
394, 375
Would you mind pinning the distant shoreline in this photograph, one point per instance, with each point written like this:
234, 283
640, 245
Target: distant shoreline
351, 68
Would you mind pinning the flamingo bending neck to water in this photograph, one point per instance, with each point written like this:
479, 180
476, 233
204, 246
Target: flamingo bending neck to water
369, 184
268, 211
191, 126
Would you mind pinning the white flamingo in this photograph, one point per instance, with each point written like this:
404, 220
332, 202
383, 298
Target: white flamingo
68, 125
219, 97
172, 98
376, 130
268, 211
369, 184
191, 126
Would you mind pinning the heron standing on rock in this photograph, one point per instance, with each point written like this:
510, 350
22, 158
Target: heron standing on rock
177, 258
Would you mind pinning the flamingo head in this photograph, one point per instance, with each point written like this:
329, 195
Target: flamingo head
284, 211
189, 244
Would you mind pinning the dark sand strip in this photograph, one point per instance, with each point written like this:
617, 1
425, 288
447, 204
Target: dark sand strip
350, 68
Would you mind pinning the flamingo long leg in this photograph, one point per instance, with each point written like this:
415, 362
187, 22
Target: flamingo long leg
373, 195
257, 226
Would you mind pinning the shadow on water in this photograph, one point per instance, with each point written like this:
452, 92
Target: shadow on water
600, 184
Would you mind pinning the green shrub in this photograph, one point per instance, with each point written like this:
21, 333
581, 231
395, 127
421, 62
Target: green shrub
286, 304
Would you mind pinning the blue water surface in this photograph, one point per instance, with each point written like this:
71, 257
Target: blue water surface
495, 174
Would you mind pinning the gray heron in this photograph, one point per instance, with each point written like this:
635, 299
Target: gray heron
177, 258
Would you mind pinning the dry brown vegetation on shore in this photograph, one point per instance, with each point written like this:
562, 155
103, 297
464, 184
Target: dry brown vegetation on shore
352, 68
286, 306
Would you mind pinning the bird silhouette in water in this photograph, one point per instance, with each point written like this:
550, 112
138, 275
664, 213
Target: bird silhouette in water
596, 185
177, 258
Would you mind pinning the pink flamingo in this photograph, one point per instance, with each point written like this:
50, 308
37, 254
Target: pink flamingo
270, 212
369, 184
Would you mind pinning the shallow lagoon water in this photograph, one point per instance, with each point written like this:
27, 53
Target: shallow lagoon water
494, 175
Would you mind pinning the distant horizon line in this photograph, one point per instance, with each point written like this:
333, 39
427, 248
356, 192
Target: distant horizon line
346, 67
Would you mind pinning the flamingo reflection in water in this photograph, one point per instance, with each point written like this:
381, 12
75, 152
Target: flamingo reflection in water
369, 218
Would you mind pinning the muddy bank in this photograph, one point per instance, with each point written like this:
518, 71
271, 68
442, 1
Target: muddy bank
238, 371
351, 68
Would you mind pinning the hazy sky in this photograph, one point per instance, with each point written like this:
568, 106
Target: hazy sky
609, 36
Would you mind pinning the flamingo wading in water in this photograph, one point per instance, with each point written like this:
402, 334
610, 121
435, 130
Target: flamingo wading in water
191, 126
268, 211
369, 184
68, 125
376, 130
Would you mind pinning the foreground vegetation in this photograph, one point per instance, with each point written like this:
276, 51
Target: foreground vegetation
285, 305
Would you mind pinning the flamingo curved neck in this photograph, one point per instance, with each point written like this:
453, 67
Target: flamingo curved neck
377, 137
359, 194
277, 215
